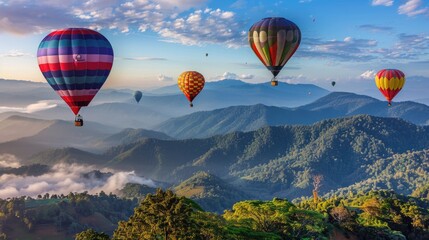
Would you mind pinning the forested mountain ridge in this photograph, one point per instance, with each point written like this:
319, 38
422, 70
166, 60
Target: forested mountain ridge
275, 161
249, 118
406, 173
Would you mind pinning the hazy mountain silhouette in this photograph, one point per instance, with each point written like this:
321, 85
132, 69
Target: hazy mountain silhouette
247, 118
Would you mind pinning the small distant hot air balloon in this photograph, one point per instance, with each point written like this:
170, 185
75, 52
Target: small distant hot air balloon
274, 40
333, 83
207, 54
389, 82
138, 95
191, 83
76, 62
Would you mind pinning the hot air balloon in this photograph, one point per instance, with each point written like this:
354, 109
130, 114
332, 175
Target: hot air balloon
274, 40
76, 62
333, 83
138, 95
207, 54
191, 83
389, 82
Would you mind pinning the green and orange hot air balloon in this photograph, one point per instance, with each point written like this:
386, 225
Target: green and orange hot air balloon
389, 82
274, 40
191, 83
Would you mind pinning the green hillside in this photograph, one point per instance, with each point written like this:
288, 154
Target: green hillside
349, 152
61, 217
210, 192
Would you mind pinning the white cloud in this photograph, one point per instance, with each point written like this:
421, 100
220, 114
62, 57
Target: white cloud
246, 76
375, 28
413, 46
412, 8
34, 107
293, 79
369, 74
350, 49
63, 179
8, 160
176, 21
382, 2
348, 39
202, 27
144, 58
230, 75
15, 53
180, 5
163, 78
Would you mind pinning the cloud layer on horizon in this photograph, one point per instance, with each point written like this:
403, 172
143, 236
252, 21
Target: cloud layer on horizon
31, 108
63, 179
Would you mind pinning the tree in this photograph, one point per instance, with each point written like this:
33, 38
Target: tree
161, 215
317, 183
90, 234
340, 214
372, 207
280, 218
210, 226
264, 216
304, 224
46, 196
343, 217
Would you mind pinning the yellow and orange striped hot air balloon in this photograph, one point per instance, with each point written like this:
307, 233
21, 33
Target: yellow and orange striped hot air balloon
389, 82
191, 83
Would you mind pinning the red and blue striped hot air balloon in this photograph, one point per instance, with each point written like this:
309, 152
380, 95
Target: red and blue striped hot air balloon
76, 62
274, 40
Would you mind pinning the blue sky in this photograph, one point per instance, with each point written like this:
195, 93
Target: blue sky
156, 40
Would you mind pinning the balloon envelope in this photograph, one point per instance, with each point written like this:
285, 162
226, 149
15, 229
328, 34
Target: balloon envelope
389, 82
191, 83
274, 40
333, 83
138, 95
76, 62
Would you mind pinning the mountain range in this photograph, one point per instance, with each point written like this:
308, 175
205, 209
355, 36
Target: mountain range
249, 118
117, 107
164, 107
24, 136
239, 141
271, 161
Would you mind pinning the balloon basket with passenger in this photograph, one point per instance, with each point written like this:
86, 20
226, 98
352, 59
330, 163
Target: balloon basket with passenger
274, 82
78, 121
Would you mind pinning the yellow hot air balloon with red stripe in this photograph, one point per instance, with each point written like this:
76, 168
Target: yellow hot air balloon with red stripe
191, 83
389, 82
